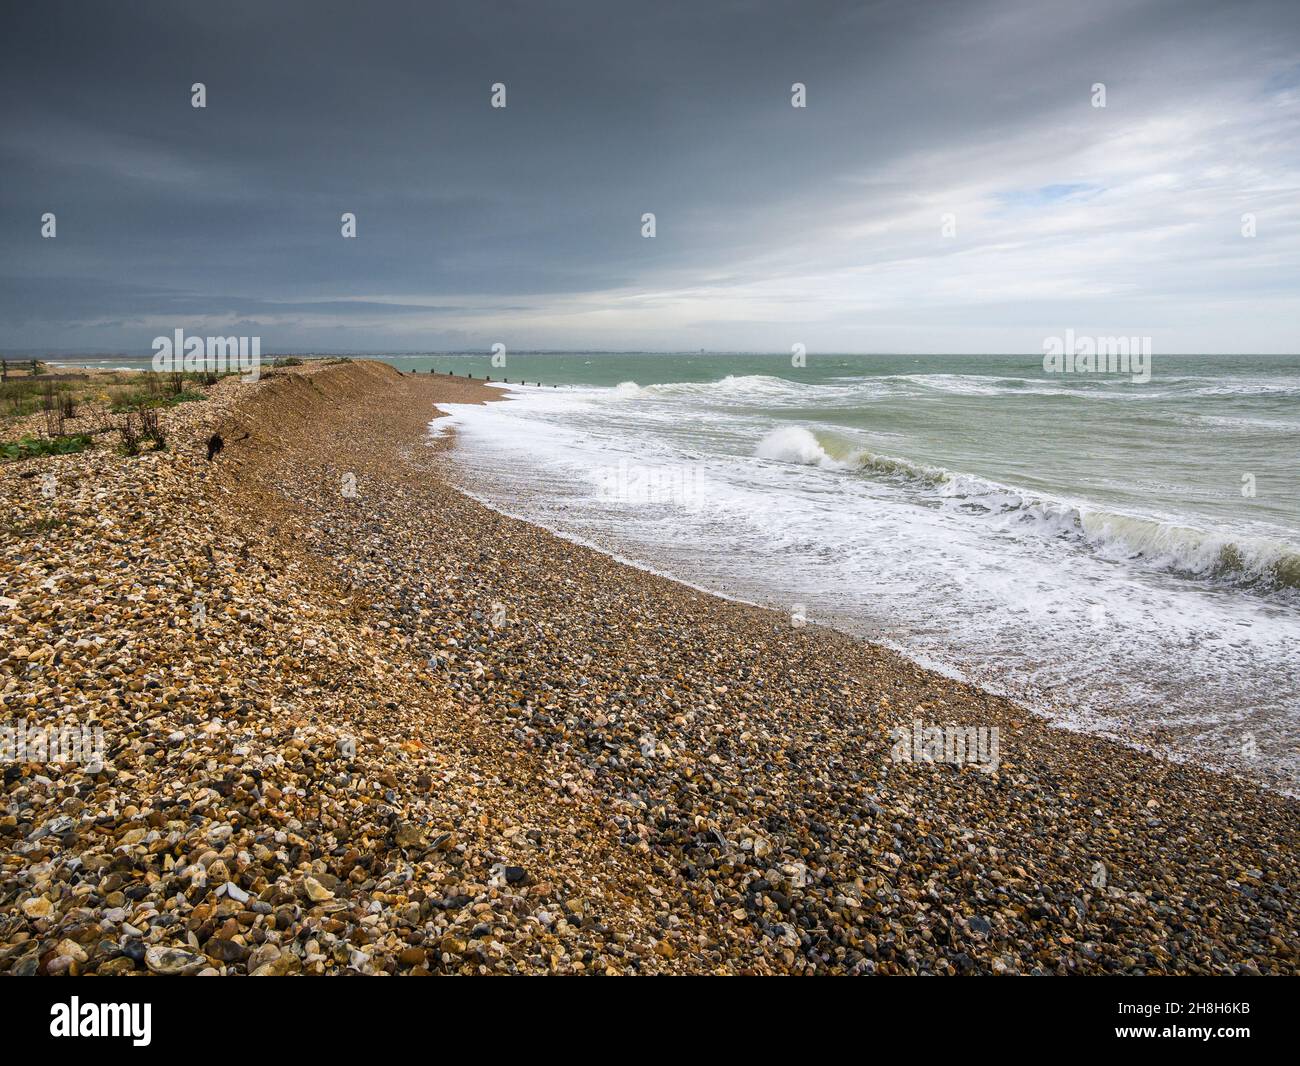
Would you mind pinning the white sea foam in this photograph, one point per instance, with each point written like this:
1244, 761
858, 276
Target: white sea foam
794, 444
1145, 620
1163, 544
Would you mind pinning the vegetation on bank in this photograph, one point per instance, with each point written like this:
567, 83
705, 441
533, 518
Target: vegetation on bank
142, 399
24, 396
31, 447
140, 427
118, 390
79, 405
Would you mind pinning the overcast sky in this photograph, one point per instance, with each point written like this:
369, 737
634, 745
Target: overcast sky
775, 224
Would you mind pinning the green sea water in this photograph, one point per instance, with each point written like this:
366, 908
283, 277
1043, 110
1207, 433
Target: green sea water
1202, 430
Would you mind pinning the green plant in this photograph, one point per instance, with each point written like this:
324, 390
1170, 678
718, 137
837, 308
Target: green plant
149, 428
141, 401
26, 395
31, 447
53, 411
130, 437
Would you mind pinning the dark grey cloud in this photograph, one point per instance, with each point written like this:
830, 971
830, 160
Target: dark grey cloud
523, 223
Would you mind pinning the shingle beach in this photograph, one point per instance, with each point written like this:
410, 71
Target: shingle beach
355, 721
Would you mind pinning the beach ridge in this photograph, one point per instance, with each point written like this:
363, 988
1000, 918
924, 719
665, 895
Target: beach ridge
359, 721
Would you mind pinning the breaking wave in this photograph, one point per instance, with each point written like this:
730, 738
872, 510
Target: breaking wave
759, 390
1261, 563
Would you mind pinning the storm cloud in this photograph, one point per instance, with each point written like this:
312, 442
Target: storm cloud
822, 225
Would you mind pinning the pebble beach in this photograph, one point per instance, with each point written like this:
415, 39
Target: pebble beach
355, 721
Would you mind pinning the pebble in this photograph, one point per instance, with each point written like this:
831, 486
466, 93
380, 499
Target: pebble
315, 890
166, 960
